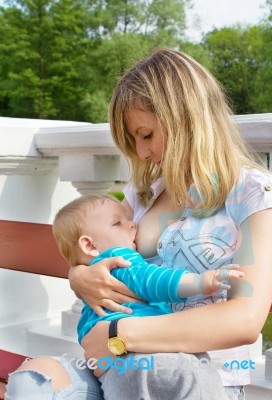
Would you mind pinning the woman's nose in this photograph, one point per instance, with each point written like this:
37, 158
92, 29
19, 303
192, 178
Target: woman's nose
142, 151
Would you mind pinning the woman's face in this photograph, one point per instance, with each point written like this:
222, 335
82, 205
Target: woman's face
148, 133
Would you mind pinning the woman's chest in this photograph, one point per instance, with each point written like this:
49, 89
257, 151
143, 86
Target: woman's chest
199, 244
153, 224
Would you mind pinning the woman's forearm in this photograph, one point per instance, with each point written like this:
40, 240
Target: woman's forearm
200, 329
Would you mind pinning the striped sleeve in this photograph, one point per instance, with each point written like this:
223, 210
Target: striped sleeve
148, 281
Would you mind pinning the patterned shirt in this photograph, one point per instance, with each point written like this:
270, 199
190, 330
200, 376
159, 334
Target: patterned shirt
202, 244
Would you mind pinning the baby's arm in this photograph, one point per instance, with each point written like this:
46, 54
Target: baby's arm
208, 282
153, 283
149, 281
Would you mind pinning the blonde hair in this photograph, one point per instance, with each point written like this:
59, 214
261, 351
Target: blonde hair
69, 222
204, 146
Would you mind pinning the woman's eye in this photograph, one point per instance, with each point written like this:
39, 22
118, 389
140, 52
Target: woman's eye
148, 136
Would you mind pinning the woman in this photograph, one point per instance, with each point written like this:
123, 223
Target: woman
200, 200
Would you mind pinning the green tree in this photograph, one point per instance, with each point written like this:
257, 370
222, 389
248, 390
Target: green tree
263, 94
236, 57
269, 8
41, 58
61, 58
159, 17
126, 30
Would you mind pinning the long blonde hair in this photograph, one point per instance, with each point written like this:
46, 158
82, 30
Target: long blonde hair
204, 146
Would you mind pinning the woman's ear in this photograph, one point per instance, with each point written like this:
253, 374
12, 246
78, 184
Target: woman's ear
87, 245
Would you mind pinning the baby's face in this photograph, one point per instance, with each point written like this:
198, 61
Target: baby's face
109, 226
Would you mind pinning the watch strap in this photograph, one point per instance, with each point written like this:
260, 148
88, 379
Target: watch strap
113, 328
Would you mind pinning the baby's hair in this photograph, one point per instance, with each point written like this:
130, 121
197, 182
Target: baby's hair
69, 221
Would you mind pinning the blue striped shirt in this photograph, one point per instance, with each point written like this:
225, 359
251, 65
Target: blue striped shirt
153, 284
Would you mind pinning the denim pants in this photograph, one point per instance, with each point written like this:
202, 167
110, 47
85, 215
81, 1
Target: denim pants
32, 385
175, 376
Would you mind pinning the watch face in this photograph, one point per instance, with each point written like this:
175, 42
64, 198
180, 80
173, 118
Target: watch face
116, 346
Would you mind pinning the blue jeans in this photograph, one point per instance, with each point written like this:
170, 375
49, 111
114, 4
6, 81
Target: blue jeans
32, 385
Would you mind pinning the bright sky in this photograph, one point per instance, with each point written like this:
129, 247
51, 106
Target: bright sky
217, 13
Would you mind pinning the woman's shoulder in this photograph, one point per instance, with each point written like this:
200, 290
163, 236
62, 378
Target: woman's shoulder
252, 193
251, 179
255, 175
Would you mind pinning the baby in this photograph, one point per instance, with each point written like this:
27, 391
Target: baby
95, 227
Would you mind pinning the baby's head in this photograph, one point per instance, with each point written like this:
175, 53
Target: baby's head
90, 225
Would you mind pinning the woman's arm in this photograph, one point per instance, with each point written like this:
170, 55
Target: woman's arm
235, 322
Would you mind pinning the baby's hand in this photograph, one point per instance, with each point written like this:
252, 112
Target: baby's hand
220, 278
209, 282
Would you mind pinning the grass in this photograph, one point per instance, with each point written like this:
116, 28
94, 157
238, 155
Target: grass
267, 333
118, 195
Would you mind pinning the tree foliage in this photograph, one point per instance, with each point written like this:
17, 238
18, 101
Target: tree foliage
235, 59
41, 55
241, 59
60, 59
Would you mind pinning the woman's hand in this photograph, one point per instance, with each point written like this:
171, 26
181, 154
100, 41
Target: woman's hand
95, 344
99, 288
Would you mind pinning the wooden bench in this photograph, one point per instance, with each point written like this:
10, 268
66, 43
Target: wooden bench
27, 247
22, 248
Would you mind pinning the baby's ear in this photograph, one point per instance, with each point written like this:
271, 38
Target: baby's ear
87, 245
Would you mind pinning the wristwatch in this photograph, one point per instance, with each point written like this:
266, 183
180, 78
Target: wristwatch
115, 344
